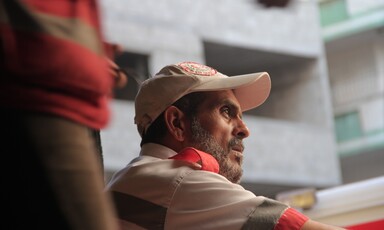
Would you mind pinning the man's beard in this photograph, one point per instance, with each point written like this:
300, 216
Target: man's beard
204, 141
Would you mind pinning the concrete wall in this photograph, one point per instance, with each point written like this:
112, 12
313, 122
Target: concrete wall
292, 141
173, 30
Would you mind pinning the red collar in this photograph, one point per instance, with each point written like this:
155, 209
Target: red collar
207, 161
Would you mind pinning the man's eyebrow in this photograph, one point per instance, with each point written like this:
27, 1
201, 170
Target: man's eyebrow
233, 106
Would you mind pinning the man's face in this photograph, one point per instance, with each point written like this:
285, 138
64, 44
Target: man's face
218, 129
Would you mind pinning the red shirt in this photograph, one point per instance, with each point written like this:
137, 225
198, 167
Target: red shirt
53, 60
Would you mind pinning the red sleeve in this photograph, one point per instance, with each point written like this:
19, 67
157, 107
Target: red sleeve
290, 220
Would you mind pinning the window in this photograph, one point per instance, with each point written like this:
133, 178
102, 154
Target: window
136, 65
332, 12
348, 127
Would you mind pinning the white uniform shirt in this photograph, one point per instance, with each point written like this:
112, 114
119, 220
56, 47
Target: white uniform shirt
155, 192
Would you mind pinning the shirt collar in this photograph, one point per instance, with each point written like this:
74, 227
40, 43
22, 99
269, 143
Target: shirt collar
156, 150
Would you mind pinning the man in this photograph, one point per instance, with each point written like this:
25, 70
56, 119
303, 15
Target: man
186, 177
56, 82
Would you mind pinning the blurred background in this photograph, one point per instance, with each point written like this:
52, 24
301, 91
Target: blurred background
322, 126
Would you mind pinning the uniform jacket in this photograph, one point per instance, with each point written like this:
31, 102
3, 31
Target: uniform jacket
161, 189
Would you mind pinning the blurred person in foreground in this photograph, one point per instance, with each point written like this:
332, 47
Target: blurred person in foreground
56, 83
188, 172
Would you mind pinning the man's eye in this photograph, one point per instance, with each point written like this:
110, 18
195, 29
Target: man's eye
226, 111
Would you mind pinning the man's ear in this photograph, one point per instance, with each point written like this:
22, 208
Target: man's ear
175, 121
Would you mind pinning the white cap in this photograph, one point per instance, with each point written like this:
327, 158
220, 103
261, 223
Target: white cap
175, 81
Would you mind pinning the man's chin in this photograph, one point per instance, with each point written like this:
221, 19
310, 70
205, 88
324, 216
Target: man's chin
237, 158
237, 178
235, 171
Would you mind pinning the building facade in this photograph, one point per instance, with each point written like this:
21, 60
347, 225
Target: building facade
353, 33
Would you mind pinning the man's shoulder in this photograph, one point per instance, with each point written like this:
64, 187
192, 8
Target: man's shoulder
147, 172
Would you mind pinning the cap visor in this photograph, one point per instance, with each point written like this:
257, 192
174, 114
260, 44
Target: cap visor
251, 90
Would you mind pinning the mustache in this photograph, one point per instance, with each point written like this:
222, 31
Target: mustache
236, 142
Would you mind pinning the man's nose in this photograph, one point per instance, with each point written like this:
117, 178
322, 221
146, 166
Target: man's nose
241, 130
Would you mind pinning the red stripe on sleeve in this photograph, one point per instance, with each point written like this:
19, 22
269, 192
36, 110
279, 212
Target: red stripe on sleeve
291, 220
